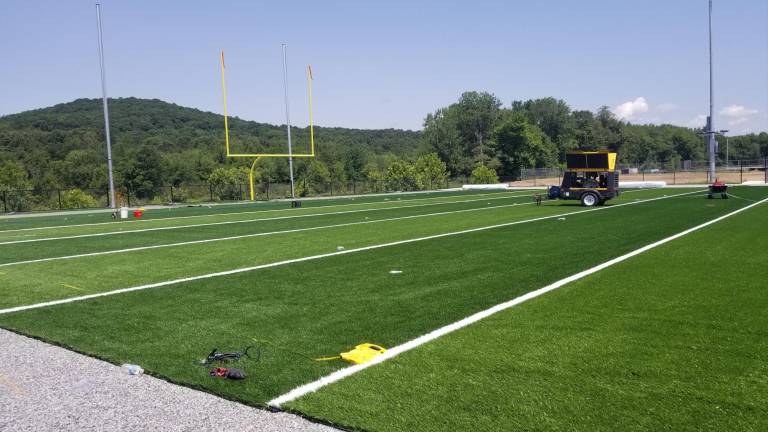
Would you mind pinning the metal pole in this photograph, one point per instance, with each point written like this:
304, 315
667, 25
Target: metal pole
711, 123
112, 202
288, 121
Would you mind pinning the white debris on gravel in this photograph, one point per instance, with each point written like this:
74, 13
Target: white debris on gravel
48, 388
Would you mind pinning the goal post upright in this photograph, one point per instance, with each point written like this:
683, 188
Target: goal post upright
259, 156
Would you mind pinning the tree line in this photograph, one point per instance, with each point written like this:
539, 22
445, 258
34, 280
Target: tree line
157, 143
477, 131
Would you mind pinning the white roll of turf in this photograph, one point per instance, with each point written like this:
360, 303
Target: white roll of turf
642, 184
485, 186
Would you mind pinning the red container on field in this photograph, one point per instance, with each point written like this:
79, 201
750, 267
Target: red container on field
137, 213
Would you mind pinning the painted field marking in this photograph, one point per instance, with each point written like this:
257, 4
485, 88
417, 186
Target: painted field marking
442, 331
507, 194
72, 287
243, 236
175, 227
316, 257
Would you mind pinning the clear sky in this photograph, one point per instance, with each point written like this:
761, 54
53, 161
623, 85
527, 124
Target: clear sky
388, 64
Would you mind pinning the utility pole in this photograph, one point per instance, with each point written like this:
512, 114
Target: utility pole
288, 121
112, 202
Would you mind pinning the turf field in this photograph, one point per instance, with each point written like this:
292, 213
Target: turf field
661, 340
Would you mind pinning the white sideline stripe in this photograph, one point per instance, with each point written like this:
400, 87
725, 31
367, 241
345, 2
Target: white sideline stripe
191, 242
109, 233
442, 331
386, 201
315, 257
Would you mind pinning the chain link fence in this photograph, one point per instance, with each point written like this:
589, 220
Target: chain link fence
12, 201
673, 173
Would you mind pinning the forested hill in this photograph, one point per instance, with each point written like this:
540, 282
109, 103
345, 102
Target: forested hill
171, 128
63, 145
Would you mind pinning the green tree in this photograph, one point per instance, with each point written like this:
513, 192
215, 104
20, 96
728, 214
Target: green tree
142, 173
483, 175
441, 135
431, 172
401, 176
355, 159
75, 198
228, 183
315, 178
13, 176
15, 182
375, 177
478, 114
522, 145
553, 117
82, 169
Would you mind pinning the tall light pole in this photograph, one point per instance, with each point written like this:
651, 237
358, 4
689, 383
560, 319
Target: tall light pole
288, 120
711, 120
112, 202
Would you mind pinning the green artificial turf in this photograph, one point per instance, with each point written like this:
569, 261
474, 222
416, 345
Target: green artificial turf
325, 306
75, 217
673, 339
121, 236
37, 282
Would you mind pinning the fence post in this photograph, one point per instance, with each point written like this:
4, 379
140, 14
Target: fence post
240, 185
643, 171
171, 189
128, 195
58, 192
5, 201
674, 176
741, 173
268, 190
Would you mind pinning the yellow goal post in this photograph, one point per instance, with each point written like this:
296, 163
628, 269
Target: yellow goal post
258, 156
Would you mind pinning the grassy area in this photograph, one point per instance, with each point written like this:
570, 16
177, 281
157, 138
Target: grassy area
323, 307
674, 339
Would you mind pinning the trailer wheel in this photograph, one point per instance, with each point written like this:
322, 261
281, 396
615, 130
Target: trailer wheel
589, 199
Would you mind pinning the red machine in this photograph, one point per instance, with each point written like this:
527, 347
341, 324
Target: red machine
718, 187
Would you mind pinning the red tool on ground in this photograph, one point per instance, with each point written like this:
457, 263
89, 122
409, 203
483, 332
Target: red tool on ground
718, 187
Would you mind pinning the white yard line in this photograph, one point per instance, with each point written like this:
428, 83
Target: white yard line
191, 242
315, 257
507, 193
109, 233
442, 331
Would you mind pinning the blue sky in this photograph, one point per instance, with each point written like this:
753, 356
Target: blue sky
388, 64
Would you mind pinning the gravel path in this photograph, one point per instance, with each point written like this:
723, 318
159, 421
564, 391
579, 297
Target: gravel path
47, 388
